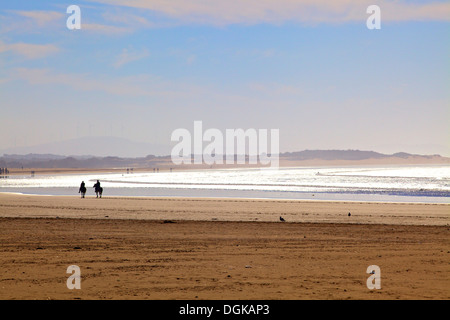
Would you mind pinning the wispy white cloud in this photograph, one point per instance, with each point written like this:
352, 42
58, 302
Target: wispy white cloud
29, 21
136, 85
129, 55
105, 29
41, 17
219, 12
28, 50
126, 16
82, 82
43, 21
120, 17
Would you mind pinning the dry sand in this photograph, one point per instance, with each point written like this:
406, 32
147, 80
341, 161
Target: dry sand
175, 248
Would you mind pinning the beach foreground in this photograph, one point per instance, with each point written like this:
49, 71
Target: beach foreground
143, 248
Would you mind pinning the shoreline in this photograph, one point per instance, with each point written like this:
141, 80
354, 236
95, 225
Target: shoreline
225, 198
164, 167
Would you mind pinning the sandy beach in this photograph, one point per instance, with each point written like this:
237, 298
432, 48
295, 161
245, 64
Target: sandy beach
180, 248
242, 150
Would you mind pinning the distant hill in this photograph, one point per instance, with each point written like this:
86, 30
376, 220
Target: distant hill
53, 161
356, 157
32, 157
306, 157
95, 146
345, 155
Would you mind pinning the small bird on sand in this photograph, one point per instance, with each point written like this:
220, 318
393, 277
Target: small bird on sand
281, 219
349, 214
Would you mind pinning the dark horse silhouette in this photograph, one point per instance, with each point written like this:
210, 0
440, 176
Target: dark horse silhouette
98, 189
82, 189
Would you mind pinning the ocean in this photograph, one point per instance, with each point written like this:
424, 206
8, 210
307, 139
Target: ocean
415, 183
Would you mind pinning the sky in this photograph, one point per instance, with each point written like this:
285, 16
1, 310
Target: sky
312, 69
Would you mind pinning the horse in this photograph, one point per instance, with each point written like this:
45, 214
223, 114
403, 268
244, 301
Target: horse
99, 191
82, 191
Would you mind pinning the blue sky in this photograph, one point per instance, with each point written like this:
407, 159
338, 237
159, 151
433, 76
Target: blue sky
312, 69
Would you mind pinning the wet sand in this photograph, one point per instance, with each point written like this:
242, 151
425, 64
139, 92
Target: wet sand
174, 248
223, 209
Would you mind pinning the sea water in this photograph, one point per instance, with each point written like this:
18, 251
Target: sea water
424, 183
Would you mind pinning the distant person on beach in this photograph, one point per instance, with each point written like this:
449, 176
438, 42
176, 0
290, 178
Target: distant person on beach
98, 189
82, 189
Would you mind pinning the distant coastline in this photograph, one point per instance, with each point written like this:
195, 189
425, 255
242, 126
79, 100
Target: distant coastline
49, 163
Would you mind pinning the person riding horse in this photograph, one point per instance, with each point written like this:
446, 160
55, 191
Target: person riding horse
98, 189
82, 189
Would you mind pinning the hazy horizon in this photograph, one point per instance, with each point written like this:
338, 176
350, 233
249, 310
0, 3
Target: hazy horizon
125, 148
138, 70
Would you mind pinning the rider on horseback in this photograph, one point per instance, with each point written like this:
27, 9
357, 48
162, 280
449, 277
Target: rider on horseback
98, 189
82, 189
